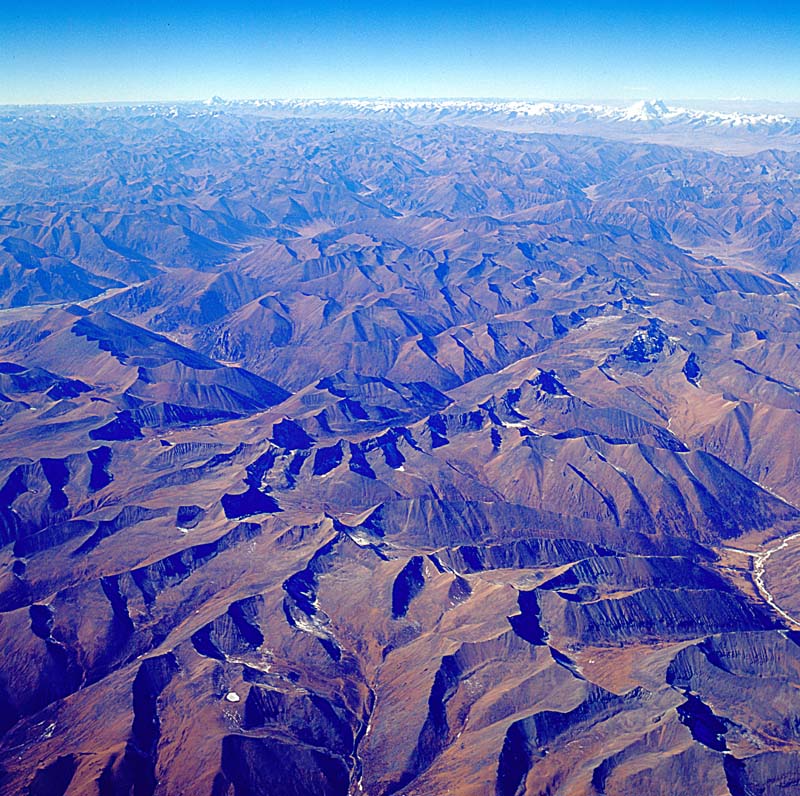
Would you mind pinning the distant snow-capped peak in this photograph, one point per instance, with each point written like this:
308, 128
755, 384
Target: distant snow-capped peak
647, 110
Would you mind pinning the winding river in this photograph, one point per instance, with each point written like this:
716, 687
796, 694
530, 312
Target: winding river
760, 559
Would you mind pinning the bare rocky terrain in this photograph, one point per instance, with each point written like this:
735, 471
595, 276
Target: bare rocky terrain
397, 450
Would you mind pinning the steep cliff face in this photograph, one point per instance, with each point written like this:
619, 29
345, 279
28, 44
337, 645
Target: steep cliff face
359, 454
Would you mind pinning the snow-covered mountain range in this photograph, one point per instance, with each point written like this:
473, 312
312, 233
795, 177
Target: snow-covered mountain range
647, 118
652, 113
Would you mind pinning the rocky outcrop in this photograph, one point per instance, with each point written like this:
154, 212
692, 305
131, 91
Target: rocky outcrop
295, 769
407, 585
234, 632
528, 740
135, 771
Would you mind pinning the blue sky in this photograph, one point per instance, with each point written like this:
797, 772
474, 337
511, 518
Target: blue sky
87, 51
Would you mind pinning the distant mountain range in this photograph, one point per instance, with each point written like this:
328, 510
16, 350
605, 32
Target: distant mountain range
654, 120
653, 113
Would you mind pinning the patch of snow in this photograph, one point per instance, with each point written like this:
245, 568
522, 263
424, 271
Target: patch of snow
360, 538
